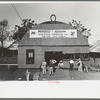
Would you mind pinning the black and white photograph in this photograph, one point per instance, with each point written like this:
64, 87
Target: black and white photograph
49, 41
50, 49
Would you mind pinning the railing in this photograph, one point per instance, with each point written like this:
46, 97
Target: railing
8, 60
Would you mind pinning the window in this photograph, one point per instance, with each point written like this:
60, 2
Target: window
83, 56
77, 56
30, 56
68, 56
86, 56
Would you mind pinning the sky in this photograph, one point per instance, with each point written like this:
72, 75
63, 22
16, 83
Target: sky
86, 12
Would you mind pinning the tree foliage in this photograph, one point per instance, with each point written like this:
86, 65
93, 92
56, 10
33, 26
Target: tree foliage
80, 27
20, 31
4, 33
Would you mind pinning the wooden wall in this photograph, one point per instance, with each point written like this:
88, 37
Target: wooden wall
39, 55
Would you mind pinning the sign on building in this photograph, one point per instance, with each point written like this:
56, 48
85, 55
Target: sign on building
71, 33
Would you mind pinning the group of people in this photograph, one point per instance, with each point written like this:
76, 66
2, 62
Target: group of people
51, 67
52, 64
81, 65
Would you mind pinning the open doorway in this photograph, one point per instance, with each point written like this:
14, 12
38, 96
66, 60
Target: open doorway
57, 55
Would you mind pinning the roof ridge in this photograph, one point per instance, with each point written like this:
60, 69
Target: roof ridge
53, 22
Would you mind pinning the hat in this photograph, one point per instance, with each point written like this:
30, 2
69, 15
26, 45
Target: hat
60, 60
79, 59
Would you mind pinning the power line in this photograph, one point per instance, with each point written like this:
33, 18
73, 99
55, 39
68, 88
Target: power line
16, 11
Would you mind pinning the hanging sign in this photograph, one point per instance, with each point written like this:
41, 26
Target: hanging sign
71, 33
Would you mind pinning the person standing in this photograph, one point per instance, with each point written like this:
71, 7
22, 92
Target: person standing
51, 72
60, 65
50, 68
27, 75
79, 65
71, 62
84, 67
43, 66
54, 62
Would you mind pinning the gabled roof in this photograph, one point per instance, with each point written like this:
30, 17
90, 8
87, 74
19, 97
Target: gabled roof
14, 46
95, 47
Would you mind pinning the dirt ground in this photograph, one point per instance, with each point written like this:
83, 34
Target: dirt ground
65, 74
14, 74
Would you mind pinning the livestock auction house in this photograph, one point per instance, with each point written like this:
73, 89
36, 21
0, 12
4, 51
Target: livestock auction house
52, 39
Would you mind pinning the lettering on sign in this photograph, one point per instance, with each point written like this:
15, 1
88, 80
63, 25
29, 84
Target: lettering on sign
71, 33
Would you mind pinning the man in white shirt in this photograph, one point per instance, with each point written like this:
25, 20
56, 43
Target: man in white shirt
44, 64
71, 62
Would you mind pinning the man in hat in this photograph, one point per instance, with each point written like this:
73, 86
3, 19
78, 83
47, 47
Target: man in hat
52, 66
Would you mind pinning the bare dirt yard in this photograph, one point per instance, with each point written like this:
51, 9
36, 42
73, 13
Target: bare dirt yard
13, 74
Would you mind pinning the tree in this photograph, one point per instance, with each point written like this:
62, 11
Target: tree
4, 33
20, 31
81, 28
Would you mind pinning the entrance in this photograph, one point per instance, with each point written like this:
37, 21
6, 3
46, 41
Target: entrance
53, 55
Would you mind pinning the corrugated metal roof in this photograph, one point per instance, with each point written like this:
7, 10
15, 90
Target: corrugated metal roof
53, 25
49, 25
80, 40
95, 47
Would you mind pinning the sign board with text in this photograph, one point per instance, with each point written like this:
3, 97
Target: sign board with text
71, 33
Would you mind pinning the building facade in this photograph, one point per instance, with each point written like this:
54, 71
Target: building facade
52, 39
95, 54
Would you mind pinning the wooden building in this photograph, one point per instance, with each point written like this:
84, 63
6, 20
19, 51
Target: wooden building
95, 54
13, 49
52, 39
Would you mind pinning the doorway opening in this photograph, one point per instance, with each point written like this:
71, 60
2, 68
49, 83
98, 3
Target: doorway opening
57, 55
